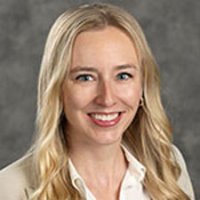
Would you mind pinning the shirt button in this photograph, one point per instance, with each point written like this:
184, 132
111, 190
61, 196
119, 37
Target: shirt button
129, 187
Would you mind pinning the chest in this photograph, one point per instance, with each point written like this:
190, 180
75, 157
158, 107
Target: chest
129, 189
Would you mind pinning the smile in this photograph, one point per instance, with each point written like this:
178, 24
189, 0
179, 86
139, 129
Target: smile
105, 119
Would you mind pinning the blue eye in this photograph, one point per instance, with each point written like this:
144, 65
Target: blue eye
124, 76
84, 77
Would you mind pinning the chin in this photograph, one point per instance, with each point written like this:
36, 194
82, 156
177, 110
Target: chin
107, 138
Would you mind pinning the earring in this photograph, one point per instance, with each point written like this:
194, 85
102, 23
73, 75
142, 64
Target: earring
141, 102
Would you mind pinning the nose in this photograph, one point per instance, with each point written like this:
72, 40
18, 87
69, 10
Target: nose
105, 94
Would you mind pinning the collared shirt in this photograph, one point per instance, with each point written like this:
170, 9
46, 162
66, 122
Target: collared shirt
132, 183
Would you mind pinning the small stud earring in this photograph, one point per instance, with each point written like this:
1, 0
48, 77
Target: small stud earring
141, 102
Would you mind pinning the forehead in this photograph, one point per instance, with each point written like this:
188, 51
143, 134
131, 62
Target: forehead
108, 33
106, 45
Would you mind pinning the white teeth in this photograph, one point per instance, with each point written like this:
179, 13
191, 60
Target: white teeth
107, 117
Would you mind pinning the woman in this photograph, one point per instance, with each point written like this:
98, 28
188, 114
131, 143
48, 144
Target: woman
102, 130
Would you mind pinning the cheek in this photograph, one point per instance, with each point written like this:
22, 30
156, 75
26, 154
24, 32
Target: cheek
130, 94
132, 98
76, 97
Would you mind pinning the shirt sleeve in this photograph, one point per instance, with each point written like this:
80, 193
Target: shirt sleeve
184, 180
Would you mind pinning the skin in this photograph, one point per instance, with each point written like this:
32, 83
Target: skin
104, 78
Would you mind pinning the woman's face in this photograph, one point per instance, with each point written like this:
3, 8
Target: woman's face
102, 92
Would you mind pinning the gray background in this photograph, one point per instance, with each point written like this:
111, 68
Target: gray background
172, 28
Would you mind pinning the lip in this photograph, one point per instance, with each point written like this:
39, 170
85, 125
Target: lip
105, 123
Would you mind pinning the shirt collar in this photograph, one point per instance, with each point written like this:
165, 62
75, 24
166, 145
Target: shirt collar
76, 179
135, 168
78, 182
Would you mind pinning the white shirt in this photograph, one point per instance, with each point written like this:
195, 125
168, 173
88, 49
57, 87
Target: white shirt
131, 187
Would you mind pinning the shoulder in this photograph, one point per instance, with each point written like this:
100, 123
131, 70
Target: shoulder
184, 180
16, 178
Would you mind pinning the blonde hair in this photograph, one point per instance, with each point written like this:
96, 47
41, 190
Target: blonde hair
149, 135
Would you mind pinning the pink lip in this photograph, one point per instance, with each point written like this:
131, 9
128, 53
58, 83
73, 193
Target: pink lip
106, 124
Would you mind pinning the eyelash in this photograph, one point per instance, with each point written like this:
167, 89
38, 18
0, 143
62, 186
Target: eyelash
84, 77
128, 76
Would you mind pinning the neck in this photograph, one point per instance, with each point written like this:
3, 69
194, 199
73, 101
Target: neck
102, 163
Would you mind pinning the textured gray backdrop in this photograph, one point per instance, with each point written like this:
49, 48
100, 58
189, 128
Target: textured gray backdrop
173, 30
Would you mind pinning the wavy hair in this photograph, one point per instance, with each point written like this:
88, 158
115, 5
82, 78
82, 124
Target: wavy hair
149, 135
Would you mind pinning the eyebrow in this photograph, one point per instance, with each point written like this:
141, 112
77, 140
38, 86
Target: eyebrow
83, 68
126, 66
93, 69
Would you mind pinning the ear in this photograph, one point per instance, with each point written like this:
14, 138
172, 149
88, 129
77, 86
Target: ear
141, 103
141, 93
62, 93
